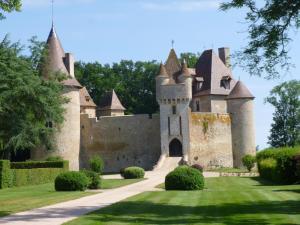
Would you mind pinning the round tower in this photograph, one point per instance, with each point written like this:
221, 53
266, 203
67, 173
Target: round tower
162, 78
186, 78
240, 107
67, 138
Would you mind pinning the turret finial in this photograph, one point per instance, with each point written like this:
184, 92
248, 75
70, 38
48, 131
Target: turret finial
52, 18
172, 43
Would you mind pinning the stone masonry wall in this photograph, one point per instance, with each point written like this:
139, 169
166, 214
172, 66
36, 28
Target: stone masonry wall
121, 141
210, 137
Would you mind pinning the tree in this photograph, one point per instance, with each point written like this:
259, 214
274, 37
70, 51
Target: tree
191, 58
285, 129
9, 6
269, 28
134, 82
27, 102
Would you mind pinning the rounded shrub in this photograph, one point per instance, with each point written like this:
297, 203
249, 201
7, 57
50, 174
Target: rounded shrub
94, 179
198, 167
133, 172
71, 181
249, 161
96, 164
184, 178
122, 172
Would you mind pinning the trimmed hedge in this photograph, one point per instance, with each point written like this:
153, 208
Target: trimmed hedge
94, 179
29, 173
71, 181
5, 174
184, 178
39, 164
133, 172
285, 171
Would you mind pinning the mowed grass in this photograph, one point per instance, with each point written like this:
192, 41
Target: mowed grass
225, 200
19, 199
115, 183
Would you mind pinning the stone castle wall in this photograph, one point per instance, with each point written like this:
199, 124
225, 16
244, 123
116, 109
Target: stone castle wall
121, 141
210, 140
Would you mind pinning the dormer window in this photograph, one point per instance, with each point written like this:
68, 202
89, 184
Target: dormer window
87, 98
199, 83
225, 82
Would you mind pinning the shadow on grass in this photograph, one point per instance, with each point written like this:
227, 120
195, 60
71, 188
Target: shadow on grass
289, 190
263, 182
144, 212
4, 213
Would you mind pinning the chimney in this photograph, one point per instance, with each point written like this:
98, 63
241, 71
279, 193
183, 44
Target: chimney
224, 55
69, 63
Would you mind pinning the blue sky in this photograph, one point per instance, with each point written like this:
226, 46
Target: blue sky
110, 30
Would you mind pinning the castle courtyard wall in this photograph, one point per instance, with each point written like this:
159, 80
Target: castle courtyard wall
210, 137
121, 141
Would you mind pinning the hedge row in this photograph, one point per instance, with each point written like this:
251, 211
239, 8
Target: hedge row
278, 164
10, 177
39, 164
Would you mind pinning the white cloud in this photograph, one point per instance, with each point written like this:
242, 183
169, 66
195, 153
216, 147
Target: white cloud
181, 5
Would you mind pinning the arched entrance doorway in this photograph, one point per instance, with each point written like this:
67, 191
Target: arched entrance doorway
175, 148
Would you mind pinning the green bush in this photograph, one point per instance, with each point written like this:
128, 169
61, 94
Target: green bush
133, 172
268, 169
285, 164
39, 164
71, 181
94, 179
5, 174
184, 178
54, 158
122, 172
96, 164
249, 161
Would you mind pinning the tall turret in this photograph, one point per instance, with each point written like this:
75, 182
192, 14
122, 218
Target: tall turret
240, 106
162, 78
67, 139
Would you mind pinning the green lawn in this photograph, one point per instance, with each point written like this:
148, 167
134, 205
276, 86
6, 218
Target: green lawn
225, 200
114, 183
18, 199
230, 170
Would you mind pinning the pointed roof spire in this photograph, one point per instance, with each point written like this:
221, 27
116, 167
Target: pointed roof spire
56, 54
240, 91
172, 64
162, 71
110, 101
184, 69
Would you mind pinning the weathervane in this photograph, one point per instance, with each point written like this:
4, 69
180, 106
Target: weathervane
52, 3
172, 43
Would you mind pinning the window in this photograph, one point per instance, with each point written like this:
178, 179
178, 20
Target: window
174, 109
225, 82
49, 124
169, 128
197, 106
180, 125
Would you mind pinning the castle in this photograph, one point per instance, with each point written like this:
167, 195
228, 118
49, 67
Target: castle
206, 117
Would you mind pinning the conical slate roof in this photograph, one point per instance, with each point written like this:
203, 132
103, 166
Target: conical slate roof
110, 100
56, 53
85, 98
55, 60
240, 91
172, 65
162, 71
185, 70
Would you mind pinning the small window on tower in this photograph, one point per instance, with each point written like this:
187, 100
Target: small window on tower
197, 106
174, 109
